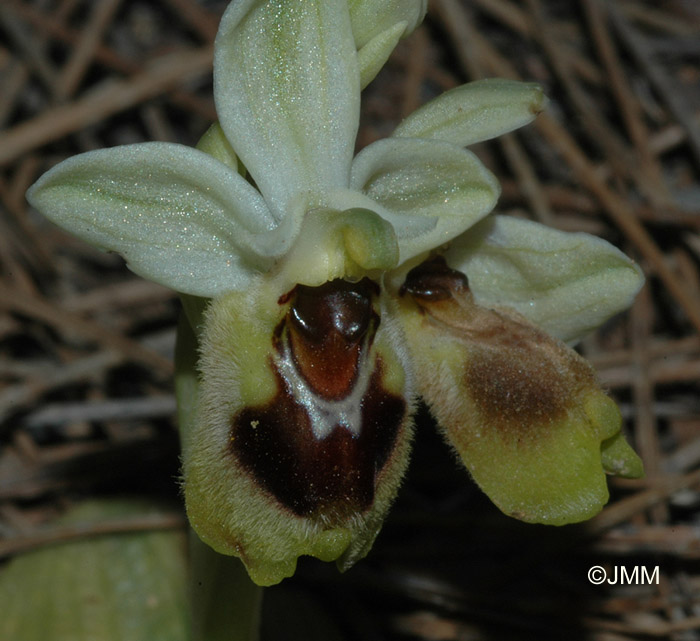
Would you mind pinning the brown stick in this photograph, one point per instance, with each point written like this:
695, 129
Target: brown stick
81, 531
68, 322
161, 76
600, 132
528, 183
584, 170
667, 89
626, 508
619, 211
201, 20
651, 183
26, 393
74, 70
647, 439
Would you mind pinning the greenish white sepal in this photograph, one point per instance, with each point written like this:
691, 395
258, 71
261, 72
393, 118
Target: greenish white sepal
566, 283
417, 181
477, 111
286, 85
177, 215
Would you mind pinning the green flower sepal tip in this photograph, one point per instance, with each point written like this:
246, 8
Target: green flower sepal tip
326, 292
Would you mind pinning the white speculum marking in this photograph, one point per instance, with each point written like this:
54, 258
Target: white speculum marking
326, 414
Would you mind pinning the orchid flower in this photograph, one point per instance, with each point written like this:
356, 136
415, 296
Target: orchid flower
340, 289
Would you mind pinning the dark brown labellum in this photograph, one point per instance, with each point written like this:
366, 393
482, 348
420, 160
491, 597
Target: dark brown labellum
320, 444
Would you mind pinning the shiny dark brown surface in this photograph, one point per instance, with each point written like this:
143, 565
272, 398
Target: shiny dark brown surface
433, 280
329, 328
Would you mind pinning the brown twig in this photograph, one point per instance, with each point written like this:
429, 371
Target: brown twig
626, 508
76, 325
668, 91
122, 409
600, 133
160, 76
78, 532
651, 181
73, 71
584, 171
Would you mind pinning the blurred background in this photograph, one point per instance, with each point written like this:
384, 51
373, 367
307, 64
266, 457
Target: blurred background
86, 347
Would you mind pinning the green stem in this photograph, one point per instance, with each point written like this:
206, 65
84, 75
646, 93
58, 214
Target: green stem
224, 602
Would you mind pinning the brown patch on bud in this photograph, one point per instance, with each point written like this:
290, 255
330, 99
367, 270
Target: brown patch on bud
516, 376
515, 389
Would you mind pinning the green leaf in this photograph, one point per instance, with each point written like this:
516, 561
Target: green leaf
429, 190
566, 283
225, 603
474, 112
287, 92
110, 587
178, 216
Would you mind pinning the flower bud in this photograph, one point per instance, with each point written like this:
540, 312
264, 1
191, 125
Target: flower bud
370, 18
523, 410
377, 27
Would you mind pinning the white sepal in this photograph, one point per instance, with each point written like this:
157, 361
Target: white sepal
287, 92
178, 216
429, 190
566, 283
477, 111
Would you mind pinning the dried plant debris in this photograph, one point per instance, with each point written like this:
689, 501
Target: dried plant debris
86, 403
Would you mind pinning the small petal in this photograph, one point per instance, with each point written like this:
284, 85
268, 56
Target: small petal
474, 112
215, 143
523, 410
373, 55
302, 430
566, 283
371, 17
178, 216
287, 93
431, 191
620, 459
